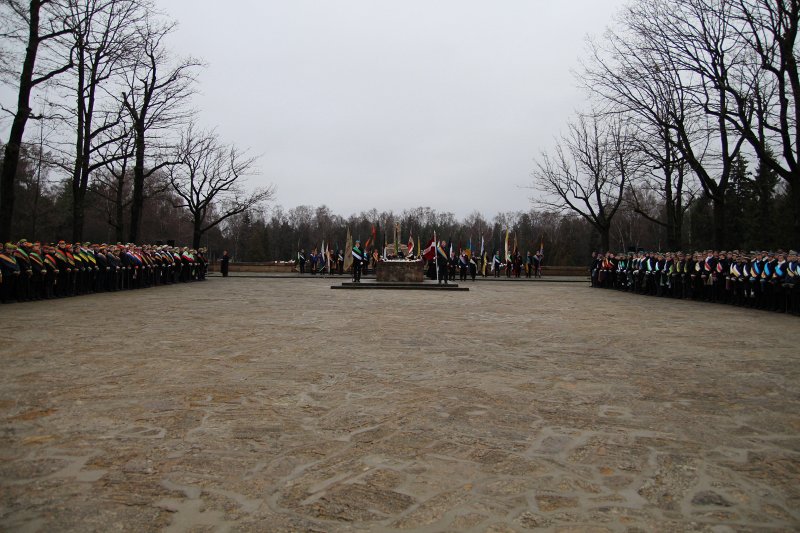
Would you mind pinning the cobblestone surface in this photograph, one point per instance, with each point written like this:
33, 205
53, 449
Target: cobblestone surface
281, 405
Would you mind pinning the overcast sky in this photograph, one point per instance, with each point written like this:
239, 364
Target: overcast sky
390, 104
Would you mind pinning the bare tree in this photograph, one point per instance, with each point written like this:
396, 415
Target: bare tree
157, 90
630, 80
103, 41
766, 92
34, 26
588, 172
688, 47
111, 183
208, 180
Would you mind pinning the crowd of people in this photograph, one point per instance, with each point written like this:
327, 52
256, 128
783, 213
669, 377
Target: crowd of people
464, 263
761, 280
37, 271
469, 266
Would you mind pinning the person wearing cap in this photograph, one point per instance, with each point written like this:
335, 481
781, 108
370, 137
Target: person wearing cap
676, 275
791, 283
79, 272
39, 270
169, 273
767, 271
51, 275
24, 283
775, 283
100, 268
358, 261
64, 269
9, 273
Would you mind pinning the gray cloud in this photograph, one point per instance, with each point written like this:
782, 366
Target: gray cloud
390, 104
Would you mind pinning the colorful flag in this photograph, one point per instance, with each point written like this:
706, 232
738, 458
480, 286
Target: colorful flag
541, 245
410, 244
371, 239
430, 250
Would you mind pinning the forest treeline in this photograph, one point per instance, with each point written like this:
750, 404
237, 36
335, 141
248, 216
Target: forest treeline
274, 233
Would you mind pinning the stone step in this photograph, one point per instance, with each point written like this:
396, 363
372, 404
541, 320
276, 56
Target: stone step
400, 286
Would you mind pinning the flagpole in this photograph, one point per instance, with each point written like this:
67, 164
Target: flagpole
435, 256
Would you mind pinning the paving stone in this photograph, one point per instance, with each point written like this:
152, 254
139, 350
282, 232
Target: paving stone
241, 404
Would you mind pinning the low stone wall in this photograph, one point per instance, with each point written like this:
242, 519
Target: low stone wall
269, 266
578, 271
400, 271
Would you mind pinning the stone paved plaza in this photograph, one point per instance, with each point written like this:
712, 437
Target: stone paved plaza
281, 405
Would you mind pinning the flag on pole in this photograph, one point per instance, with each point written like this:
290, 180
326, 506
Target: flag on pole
435, 259
371, 239
541, 245
348, 251
506, 246
430, 250
419, 248
515, 243
482, 246
468, 251
410, 244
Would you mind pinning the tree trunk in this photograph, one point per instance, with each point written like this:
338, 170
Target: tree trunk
137, 203
119, 212
197, 233
718, 209
672, 225
78, 208
12, 149
605, 238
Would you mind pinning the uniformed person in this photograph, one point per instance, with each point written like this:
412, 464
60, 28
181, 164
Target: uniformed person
442, 262
9, 273
359, 257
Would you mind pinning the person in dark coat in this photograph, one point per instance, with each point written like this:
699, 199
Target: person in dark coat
223, 264
442, 262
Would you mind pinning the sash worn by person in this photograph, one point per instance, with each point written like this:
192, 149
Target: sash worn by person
358, 260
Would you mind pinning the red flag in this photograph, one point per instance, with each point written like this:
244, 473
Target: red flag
430, 250
410, 244
371, 240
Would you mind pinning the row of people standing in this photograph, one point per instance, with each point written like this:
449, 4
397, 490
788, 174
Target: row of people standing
317, 262
762, 280
37, 271
514, 264
468, 266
